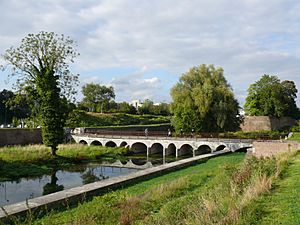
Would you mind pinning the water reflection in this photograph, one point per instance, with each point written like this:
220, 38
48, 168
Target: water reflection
52, 186
90, 176
27, 188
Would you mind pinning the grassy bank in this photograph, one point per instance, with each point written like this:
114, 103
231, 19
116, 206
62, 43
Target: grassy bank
219, 191
36, 160
282, 204
84, 119
295, 136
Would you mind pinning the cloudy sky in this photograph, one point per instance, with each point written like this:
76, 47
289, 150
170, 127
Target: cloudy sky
141, 47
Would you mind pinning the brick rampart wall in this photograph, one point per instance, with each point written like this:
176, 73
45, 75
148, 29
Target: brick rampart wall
11, 136
269, 148
259, 123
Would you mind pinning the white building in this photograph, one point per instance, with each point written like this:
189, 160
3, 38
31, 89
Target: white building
136, 103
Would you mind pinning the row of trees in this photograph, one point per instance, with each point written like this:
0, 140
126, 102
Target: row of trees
19, 107
100, 98
202, 99
13, 106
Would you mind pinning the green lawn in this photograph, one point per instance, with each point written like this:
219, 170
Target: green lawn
295, 137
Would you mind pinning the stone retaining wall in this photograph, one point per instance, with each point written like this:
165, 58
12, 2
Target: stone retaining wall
270, 148
259, 123
20, 136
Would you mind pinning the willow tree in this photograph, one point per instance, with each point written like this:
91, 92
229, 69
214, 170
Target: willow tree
41, 62
203, 101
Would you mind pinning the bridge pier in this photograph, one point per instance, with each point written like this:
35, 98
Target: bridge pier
148, 151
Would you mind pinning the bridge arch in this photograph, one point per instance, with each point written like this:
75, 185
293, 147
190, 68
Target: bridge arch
83, 142
202, 149
138, 147
171, 149
245, 149
123, 144
220, 147
110, 144
97, 143
156, 148
185, 150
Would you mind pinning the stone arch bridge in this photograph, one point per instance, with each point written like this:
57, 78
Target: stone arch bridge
165, 145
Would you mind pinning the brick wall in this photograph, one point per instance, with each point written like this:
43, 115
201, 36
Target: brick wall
269, 148
11, 136
258, 123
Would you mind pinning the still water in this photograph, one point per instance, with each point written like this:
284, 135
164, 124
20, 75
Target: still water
27, 188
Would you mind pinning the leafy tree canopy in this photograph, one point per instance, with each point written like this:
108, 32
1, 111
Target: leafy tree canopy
204, 101
271, 97
5, 113
41, 63
96, 94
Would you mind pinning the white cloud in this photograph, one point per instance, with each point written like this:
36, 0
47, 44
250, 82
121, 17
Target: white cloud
136, 86
247, 38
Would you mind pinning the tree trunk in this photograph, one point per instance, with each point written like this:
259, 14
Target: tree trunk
53, 150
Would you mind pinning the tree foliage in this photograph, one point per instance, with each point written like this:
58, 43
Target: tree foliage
41, 63
6, 114
271, 97
149, 107
204, 101
95, 95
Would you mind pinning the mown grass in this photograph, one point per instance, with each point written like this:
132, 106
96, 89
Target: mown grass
295, 136
219, 191
36, 160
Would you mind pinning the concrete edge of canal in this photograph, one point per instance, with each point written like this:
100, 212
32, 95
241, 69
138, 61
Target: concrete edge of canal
79, 194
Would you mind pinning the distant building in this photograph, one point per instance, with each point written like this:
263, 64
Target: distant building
136, 103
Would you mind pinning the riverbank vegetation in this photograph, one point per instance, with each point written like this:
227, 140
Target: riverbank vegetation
36, 160
282, 204
223, 190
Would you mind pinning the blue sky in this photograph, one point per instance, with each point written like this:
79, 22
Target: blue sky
142, 47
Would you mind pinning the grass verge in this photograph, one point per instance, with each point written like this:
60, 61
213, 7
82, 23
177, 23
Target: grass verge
282, 204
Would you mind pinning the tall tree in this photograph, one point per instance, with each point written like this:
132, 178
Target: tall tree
96, 94
42, 63
271, 97
203, 101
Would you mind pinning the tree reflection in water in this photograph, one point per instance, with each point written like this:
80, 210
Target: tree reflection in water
52, 186
90, 177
